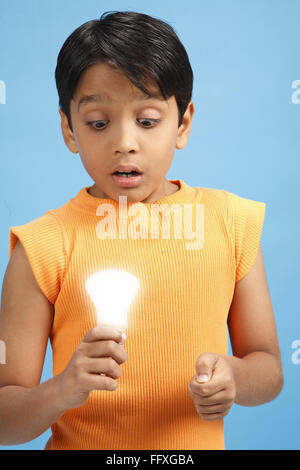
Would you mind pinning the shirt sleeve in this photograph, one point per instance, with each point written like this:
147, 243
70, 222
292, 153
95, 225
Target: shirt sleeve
43, 243
247, 218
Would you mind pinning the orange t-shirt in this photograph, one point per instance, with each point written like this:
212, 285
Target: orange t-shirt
187, 250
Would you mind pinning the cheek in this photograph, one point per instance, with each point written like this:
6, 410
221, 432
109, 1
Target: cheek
166, 144
86, 143
79, 137
166, 139
169, 137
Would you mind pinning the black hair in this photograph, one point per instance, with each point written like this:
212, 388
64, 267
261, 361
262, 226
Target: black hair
139, 45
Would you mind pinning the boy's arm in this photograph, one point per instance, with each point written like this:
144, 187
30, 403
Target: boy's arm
254, 374
256, 362
27, 408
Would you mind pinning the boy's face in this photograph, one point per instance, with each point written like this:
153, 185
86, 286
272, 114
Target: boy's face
121, 126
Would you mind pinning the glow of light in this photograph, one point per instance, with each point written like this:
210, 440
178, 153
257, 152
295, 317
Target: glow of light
112, 292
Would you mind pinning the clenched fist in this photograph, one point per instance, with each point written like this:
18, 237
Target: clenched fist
213, 389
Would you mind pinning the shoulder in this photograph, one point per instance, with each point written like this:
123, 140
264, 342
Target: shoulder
42, 242
211, 195
216, 203
234, 206
34, 233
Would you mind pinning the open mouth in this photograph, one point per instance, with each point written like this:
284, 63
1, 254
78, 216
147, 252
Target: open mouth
126, 174
127, 179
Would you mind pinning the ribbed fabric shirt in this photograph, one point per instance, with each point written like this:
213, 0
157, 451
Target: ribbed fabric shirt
187, 250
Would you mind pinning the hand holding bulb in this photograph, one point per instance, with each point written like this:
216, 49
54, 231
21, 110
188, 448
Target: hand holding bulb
100, 352
95, 364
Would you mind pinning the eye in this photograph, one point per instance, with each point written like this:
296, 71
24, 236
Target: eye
97, 125
146, 122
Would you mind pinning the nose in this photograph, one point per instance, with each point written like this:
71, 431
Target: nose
125, 138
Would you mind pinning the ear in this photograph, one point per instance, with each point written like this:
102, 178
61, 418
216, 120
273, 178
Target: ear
185, 128
67, 133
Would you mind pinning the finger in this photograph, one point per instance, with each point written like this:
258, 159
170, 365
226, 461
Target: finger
103, 333
213, 417
205, 365
118, 329
215, 385
101, 382
107, 366
106, 349
212, 409
221, 397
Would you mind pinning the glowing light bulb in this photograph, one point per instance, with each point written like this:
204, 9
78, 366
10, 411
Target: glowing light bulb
112, 291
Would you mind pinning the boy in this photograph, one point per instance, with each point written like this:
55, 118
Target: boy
125, 85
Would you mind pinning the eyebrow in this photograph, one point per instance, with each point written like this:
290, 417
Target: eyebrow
85, 99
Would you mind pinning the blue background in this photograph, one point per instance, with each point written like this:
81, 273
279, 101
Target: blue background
245, 139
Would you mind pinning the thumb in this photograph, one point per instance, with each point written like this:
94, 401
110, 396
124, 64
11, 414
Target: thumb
205, 365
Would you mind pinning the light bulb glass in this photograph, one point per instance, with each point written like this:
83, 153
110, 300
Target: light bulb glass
112, 292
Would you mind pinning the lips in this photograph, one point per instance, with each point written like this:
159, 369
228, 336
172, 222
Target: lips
127, 169
127, 180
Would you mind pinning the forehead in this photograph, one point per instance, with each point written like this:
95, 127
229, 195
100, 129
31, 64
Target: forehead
103, 83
